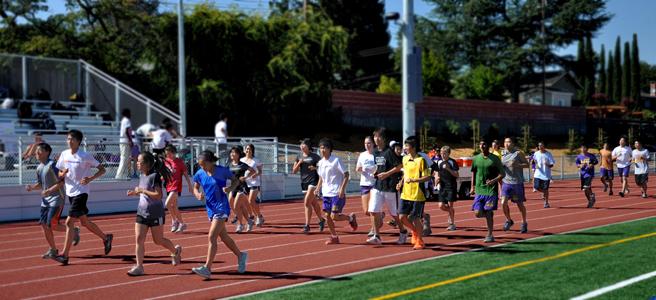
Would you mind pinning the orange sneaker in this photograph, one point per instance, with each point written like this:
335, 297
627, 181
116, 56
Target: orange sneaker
419, 245
413, 240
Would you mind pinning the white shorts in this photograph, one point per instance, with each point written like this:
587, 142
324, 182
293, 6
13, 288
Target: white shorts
379, 199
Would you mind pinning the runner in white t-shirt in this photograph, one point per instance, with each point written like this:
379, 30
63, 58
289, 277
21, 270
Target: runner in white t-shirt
253, 185
76, 165
641, 160
161, 138
367, 167
544, 161
622, 157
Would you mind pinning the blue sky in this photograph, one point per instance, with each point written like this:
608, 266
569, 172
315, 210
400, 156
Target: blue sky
634, 16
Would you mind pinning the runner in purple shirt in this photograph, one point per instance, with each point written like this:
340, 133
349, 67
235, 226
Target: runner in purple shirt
586, 162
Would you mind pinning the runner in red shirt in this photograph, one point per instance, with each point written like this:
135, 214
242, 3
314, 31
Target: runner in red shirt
174, 187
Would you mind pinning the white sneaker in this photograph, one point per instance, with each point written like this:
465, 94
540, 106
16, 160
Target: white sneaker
177, 257
181, 228
174, 226
136, 271
239, 228
374, 240
403, 238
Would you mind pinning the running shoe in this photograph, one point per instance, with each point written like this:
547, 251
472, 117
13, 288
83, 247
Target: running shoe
61, 259
234, 221
508, 224
239, 228
489, 239
136, 271
371, 233
322, 225
419, 245
241, 264
108, 243
181, 228
52, 253
427, 230
452, 227
644, 195
177, 257
76, 236
605, 188
353, 222
610, 193
332, 240
621, 194
374, 240
306, 229
174, 226
249, 226
591, 201
260, 221
524, 228
202, 271
403, 238
546, 205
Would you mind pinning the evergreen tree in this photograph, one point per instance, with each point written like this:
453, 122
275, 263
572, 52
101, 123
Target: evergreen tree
617, 78
610, 79
602, 70
626, 72
635, 70
590, 66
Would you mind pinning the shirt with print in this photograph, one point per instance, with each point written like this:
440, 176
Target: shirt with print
385, 161
623, 155
447, 180
149, 207
47, 175
606, 159
216, 201
178, 169
414, 168
511, 162
332, 173
79, 166
161, 137
368, 164
309, 177
239, 170
255, 164
586, 163
486, 168
640, 158
542, 163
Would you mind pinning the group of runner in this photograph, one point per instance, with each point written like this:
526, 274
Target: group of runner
395, 178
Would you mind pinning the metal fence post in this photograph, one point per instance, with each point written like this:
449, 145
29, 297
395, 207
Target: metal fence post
87, 88
117, 103
286, 158
148, 112
24, 75
78, 86
20, 160
562, 167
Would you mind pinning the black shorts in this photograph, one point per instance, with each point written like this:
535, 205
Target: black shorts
173, 192
151, 222
159, 152
306, 185
251, 188
541, 185
586, 182
240, 189
446, 195
413, 209
50, 215
78, 205
641, 179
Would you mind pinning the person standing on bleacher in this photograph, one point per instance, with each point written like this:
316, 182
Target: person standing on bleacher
123, 171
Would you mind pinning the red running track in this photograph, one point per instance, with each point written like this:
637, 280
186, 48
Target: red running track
279, 254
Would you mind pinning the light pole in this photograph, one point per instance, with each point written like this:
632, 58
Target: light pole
407, 105
182, 99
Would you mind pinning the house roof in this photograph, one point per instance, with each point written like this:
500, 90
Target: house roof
553, 77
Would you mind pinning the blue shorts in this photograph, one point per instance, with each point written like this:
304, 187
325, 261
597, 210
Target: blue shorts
623, 172
364, 190
514, 192
486, 203
50, 215
607, 173
541, 184
333, 204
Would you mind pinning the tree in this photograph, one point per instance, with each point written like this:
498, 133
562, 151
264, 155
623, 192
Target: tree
647, 75
590, 69
435, 75
635, 70
617, 67
626, 73
610, 80
388, 85
479, 83
602, 71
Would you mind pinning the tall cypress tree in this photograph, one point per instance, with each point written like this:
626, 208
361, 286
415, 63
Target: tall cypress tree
635, 70
602, 70
590, 65
610, 80
580, 61
626, 72
617, 79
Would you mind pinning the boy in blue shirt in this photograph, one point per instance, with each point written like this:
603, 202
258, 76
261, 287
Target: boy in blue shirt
586, 162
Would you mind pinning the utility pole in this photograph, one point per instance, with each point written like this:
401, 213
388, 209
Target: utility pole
544, 40
182, 99
412, 87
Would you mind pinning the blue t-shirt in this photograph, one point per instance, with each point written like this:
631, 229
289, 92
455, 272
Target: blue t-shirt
586, 162
216, 201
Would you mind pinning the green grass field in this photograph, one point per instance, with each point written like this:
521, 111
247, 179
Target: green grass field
559, 278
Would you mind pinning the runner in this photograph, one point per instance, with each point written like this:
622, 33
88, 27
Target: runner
150, 211
253, 184
52, 197
178, 169
238, 197
544, 161
333, 178
446, 175
606, 169
641, 159
366, 165
622, 157
586, 162
210, 184
307, 162
384, 194
496, 149
76, 165
413, 197
161, 138
512, 189
487, 172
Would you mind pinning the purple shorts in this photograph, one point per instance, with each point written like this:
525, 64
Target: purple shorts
486, 203
364, 190
514, 192
623, 172
607, 174
333, 204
